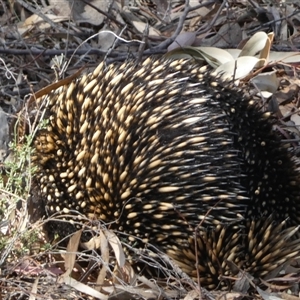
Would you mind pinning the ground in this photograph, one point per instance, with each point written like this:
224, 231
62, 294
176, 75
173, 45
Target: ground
42, 42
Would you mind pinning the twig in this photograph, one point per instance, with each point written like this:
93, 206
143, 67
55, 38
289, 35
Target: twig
52, 52
41, 15
272, 22
170, 40
207, 27
108, 16
142, 45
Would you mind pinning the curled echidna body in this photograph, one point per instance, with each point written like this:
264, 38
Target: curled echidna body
161, 149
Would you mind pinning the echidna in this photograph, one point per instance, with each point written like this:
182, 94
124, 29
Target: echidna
160, 149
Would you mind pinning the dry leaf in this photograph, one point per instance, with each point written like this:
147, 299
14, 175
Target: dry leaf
105, 258
117, 247
70, 255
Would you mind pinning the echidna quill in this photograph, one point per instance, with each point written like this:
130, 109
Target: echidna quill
160, 149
